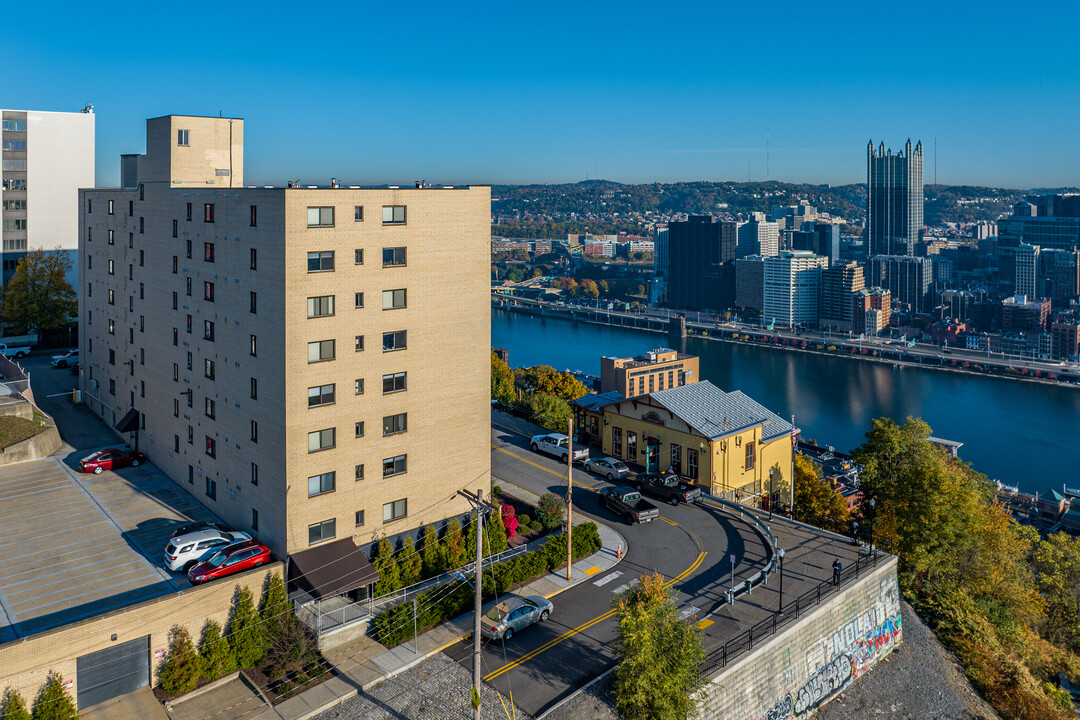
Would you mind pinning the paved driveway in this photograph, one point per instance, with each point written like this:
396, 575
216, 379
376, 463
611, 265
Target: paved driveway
78, 427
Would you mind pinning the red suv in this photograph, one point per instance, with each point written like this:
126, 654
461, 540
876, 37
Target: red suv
110, 459
230, 559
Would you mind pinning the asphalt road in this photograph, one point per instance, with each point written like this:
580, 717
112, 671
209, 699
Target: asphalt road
689, 545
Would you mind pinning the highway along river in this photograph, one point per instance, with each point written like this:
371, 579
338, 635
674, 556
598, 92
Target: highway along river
1021, 433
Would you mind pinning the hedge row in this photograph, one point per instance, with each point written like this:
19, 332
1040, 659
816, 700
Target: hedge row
435, 606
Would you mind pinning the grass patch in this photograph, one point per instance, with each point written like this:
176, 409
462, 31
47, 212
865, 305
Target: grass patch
16, 429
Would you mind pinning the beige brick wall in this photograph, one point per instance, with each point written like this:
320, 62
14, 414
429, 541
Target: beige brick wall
26, 663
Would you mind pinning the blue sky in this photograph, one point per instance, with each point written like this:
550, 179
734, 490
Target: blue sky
457, 92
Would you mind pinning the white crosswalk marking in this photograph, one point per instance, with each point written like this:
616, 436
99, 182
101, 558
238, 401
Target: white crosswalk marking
623, 588
689, 612
607, 578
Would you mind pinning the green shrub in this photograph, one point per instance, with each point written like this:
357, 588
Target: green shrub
182, 668
433, 554
409, 563
454, 545
217, 657
494, 533
537, 526
549, 511
524, 520
15, 706
246, 635
54, 702
496, 490
387, 567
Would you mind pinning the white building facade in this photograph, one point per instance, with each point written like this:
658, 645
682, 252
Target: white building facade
793, 287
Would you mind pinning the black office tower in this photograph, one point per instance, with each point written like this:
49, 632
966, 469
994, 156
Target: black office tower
701, 256
895, 200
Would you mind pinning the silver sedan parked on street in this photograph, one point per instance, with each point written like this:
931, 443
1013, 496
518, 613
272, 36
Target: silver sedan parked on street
514, 614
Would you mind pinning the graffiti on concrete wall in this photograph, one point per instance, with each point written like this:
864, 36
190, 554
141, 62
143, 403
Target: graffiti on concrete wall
845, 655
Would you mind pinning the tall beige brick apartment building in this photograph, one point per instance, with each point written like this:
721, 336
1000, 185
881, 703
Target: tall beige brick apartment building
309, 363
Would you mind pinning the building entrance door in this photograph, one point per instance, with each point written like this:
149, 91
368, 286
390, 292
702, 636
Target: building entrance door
652, 455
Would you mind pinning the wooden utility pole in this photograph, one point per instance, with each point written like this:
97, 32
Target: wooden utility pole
477, 602
569, 496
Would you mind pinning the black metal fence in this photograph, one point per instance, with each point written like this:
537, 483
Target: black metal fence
719, 656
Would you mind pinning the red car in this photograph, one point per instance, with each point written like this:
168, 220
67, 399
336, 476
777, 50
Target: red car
230, 559
110, 459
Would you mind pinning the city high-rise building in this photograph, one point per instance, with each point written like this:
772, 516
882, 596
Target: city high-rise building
750, 283
895, 200
47, 157
758, 236
907, 278
657, 369
659, 284
838, 282
701, 274
819, 238
871, 310
1059, 273
959, 304
1027, 266
216, 324
792, 289
1020, 314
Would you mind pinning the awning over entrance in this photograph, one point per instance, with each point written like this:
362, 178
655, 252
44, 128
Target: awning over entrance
130, 422
331, 569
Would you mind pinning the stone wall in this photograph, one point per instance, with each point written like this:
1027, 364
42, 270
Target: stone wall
795, 672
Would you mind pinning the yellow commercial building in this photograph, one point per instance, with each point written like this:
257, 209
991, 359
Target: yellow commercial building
727, 443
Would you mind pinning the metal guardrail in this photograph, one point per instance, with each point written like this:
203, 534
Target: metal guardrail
721, 655
747, 584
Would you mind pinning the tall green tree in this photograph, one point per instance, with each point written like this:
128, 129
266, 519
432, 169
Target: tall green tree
39, 297
182, 668
546, 380
1057, 567
454, 545
275, 610
15, 706
659, 654
495, 532
216, 653
816, 502
502, 380
550, 412
246, 634
387, 567
410, 564
432, 553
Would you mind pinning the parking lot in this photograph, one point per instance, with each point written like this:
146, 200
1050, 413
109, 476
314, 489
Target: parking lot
73, 546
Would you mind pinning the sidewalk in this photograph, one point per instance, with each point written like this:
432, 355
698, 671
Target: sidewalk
364, 663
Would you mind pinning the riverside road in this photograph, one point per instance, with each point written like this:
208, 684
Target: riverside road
690, 546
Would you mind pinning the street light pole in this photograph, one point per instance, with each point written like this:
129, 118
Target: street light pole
772, 473
780, 553
873, 503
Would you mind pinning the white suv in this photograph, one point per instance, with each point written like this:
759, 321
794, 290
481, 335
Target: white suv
186, 550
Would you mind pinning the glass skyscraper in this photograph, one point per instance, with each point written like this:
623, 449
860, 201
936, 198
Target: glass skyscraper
894, 200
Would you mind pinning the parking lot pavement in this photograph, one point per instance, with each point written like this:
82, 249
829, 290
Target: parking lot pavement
78, 427
61, 557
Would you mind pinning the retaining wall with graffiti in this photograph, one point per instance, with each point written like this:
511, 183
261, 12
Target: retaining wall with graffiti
798, 670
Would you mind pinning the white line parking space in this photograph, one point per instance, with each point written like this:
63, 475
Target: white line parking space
608, 578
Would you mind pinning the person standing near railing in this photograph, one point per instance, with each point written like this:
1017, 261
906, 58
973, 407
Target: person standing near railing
837, 566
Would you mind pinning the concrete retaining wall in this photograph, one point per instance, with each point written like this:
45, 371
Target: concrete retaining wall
25, 664
800, 669
42, 445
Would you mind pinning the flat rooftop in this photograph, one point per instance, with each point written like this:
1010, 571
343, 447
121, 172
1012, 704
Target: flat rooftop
73, 546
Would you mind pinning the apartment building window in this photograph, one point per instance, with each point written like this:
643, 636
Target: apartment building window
209, 407
358, 386
131, 208
320, 395
112, 387
208, 212
142, 356
208, 369
188, 324
190, 435
254, 389
211, 446
190, 397
394, 466
176, 443
394, 340
358, 257
359, 518
254, 431
748, 464
359, 299
211, 489
321, 484
131, 244
142, 258
174, 301
89, 203
253, 307
142, 225
393, 215
320, 351
359, 472
208, 252
176, 407
254, 474
320, 261
359, 343
111, 207
358, 213
182, 138
321, 439
616, 442
254, 351
112, 327
112, 268
394, 510
393, 383
631, 445
187, 286
175, 372
254, 264
175, 336
320, 217
692, 464
393, 257
393, 299
325, 530
175, 263
187, 249
175, 224
142, 286
359, 429
112, 297
321, 306
394, 424
254, 519
112, 356
89, 262
253, 220
131, 303
189, 212
112, 238
208, 291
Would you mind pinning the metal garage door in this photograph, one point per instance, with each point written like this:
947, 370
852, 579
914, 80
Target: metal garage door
111, 672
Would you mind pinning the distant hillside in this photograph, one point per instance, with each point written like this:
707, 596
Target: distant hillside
601, 206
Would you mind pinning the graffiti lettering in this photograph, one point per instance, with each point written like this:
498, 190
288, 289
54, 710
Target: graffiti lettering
825, 682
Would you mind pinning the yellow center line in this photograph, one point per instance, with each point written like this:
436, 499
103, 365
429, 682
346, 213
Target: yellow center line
537, 465
669, 522
581, 628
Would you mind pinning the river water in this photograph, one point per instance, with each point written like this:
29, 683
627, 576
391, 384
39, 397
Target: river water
1021, 433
